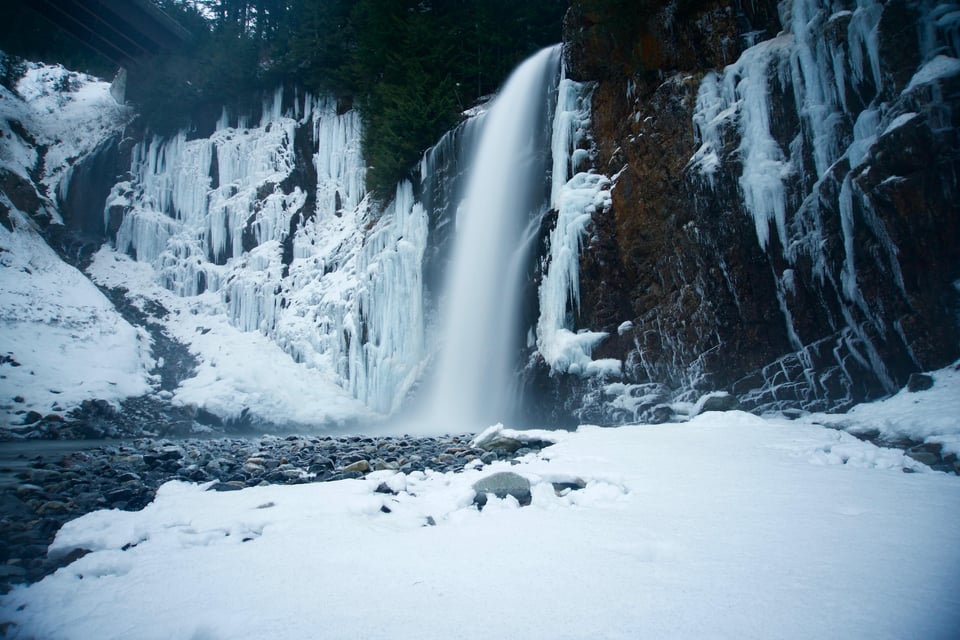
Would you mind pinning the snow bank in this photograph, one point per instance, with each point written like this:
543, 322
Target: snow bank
68, 341
62, 340
728, 526
921, 416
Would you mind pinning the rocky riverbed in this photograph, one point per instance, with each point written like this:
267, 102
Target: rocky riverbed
41, 493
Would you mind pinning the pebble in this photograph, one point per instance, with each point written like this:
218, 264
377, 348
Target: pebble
126, 475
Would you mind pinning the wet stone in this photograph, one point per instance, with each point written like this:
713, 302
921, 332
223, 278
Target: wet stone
361, 466
919, 382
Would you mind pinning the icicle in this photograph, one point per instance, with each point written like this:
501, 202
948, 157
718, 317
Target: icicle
338, 159
576, 196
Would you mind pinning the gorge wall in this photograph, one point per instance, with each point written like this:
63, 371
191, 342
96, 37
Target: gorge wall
784, 221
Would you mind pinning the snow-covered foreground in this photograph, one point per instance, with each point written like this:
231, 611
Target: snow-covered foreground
727, 526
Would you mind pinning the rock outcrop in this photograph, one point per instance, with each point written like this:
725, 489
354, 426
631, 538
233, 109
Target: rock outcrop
783, 222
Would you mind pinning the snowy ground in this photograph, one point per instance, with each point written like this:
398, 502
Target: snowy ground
928, 416
62, 339
727, 526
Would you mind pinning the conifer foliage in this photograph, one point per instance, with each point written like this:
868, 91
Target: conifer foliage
411, 66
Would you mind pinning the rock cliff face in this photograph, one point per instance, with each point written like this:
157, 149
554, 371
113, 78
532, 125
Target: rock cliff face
784, 222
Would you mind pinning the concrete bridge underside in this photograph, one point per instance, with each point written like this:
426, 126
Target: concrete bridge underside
122, 31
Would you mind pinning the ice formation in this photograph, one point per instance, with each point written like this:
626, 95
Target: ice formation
845, 102
575, 195
332, 281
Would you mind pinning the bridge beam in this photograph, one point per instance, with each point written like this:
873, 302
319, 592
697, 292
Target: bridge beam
122, 31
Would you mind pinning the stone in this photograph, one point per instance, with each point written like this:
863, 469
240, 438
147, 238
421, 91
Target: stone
8, 571
919, 382
26, 490
501, 485
53, 506
383, 487
502, 445
320, 464
123, 494
32, 417
170, 452
660, 414
360, 465
562, 488
224, 486
928, 453
43, 476
718, 401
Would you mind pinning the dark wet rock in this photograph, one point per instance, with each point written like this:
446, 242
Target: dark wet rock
501, 485
927, 453
718, 401
709, 306
562, 488
919, 382
660, 414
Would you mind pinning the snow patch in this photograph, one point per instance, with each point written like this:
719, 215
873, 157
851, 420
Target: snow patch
671, 511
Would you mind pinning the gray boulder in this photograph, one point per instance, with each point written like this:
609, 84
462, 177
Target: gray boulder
501, 485
717, 401
919, 382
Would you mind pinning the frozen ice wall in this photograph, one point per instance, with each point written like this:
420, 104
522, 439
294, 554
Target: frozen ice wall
271, 224
805, 111
576, 194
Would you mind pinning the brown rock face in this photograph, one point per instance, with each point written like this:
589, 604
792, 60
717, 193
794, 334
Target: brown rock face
855, 287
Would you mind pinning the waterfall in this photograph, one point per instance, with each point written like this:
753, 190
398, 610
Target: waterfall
497, 224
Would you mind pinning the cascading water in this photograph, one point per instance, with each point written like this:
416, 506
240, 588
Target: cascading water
496, 226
